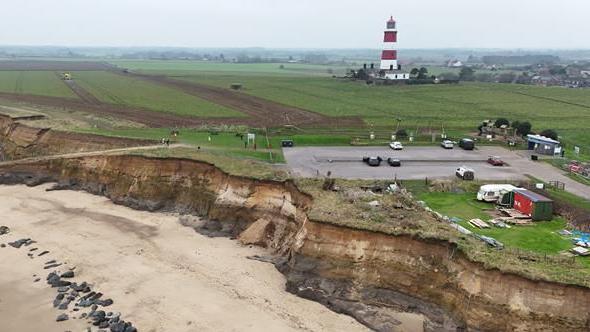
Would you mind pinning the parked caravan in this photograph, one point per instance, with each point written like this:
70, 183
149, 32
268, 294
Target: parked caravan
493, 192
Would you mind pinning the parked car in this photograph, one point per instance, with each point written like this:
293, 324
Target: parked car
447, 144
394, 162
465, 173
373, 161
495, 161
396, 145
467, 144
287, 143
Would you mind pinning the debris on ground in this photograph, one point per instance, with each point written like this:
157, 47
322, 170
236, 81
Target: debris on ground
4, 230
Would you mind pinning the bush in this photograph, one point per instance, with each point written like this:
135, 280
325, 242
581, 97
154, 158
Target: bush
500, 122
522, 128
549, 133
401, 133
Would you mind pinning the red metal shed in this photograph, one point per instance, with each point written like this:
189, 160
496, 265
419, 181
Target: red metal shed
532, 204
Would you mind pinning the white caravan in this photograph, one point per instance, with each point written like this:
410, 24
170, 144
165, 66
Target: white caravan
493, 192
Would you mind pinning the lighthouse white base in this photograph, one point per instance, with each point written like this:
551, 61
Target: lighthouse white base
388, 65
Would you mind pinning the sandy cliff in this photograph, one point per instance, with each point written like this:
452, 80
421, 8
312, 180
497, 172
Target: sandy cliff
364, 274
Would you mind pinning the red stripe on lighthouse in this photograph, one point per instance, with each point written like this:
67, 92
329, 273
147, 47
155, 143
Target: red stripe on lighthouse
390, 37
389, 55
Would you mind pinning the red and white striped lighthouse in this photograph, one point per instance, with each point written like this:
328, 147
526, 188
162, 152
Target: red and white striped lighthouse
389, 54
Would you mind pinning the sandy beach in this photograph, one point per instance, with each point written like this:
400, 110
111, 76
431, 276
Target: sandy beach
162, 276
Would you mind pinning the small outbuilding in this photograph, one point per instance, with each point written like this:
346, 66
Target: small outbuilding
537, 206
543, 145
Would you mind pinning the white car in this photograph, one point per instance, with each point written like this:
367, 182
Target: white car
447, 144
396, 145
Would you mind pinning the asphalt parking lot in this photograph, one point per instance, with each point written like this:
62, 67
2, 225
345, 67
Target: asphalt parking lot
423, 162
417, 162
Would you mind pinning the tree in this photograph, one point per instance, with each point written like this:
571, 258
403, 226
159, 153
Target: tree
500, 122
401, 133
522, 128
414, 72
467, 74
549, 133
422, 73
557, 70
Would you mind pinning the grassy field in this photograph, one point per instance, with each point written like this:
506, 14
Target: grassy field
116, 89
186, 67
43, 83
455, 106
222, 143
541, 237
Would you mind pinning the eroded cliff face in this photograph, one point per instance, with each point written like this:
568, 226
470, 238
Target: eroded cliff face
364, 274
19, 141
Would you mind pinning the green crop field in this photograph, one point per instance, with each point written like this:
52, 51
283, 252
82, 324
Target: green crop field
43, 83
117, 89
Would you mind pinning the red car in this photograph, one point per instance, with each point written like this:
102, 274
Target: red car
495, 161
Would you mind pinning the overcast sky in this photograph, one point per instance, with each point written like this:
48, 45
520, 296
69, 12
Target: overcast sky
296, 23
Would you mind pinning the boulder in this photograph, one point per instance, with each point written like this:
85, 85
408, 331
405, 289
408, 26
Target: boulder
62, 318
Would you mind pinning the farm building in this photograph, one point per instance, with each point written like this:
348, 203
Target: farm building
543, 145
536, 206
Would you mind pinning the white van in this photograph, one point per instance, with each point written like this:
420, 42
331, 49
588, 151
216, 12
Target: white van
465, 173
493, 192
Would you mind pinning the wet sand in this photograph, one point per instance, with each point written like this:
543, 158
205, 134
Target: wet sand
162, 276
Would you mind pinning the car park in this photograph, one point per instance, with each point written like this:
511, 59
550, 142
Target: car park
495, 161
447, 144
373, 161
394, 162
465, 173
396, 145
467, 144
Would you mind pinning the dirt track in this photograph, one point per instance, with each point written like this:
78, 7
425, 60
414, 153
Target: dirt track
82, 93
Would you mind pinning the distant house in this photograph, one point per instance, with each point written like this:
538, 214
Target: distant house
454, 64
543, 145
545, 80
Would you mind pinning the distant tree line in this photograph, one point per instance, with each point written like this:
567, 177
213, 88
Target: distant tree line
521, 128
